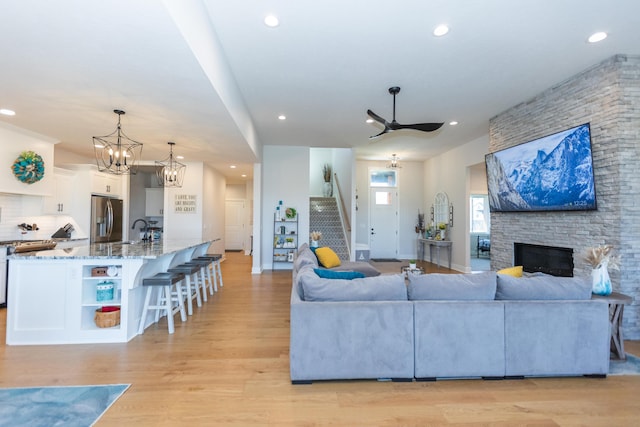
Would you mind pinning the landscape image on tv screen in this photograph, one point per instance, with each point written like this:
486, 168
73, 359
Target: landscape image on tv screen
553, 173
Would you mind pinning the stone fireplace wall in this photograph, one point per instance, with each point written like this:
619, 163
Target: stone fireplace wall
606, 95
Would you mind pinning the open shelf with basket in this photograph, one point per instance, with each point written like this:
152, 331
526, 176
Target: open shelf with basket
101, 296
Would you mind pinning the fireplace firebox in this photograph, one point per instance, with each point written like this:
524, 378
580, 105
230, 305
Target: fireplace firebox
546, 259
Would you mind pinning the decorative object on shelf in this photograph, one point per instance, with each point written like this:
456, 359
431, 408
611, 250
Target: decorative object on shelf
394, 162
170, 172
442, 226
107, 317
326, 174
28, 167
315, 236
279, 211
601, 258
420, 224
412, 264
116, 153
104, 291
290, 213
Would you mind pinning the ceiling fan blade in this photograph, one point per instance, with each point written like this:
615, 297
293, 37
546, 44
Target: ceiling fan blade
377, 118
424, 127
385, 130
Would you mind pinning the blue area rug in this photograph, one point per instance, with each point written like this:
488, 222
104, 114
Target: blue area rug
77, 406
631, 366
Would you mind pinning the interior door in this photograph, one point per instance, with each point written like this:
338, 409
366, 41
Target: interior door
383, 238
234, 225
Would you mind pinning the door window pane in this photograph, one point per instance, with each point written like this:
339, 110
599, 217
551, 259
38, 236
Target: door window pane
383, 198
382, 178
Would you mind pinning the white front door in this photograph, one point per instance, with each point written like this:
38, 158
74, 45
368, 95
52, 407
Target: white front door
234, 225
383, 232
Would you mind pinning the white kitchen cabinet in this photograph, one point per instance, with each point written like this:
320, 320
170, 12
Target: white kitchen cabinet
61, 201
154, 201
106, 184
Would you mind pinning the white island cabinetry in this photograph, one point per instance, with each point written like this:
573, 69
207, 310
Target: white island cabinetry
54, 294
56, 301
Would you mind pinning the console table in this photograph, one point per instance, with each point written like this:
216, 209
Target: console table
616, 302
437, 244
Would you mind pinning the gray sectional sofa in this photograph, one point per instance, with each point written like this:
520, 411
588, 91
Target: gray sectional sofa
443, 326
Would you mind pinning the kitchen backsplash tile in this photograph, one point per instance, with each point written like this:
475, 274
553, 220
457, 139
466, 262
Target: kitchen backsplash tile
13, 213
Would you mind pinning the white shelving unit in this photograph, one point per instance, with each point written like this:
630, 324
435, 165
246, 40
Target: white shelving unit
89, 302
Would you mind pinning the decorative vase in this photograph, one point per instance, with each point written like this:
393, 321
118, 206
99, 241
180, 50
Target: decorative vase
601, 281
442, 234
314, 243
327, 191
412, 266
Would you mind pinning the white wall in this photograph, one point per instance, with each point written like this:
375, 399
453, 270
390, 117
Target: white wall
285, 176
449, 173
15, 140
213, 218
318, 158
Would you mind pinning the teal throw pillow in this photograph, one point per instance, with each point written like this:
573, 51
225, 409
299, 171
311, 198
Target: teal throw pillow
329, 274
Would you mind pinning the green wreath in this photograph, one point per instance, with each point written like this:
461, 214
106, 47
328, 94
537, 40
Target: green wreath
28, 167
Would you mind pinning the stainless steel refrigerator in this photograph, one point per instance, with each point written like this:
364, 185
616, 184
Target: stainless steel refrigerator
106, 219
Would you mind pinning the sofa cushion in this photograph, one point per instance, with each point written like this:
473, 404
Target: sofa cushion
381, 288
305, 257
481, 286
360, 266
512, 271
327, 257
333, 274
543, 288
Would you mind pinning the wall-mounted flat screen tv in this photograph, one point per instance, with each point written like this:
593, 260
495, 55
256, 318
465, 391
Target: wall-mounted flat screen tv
553, 173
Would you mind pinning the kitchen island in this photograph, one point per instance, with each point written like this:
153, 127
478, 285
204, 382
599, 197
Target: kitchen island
53, 295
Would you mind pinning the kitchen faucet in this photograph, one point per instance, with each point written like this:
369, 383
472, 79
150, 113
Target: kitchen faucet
146, 227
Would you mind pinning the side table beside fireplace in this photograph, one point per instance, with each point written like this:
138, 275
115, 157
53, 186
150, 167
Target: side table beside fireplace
616, 301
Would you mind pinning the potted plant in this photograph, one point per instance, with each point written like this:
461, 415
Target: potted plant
326, 174
315, 236
412, 264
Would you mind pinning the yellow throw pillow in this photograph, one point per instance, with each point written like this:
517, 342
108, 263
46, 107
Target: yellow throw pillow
327, 257
512, 271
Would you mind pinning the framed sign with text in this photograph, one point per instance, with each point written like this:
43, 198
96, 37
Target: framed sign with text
185, 203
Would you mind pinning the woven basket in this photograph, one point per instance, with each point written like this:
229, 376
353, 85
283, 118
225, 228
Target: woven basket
107, 319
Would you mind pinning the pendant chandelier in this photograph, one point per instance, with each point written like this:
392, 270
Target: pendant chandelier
116, 153
169, 171
394, 162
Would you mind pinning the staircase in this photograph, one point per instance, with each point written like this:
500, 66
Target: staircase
325, 218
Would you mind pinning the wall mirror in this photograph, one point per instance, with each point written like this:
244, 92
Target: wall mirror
441, 209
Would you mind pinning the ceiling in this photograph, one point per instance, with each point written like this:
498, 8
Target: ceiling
210, 76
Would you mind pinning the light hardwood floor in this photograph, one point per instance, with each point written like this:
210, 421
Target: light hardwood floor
228, 365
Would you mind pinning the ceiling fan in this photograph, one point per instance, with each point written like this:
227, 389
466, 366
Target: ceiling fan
394, 125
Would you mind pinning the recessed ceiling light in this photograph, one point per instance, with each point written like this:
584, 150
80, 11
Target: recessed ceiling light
453, 123
271, 21
7, 112
440, 30
98, 145
244, 175
369, 120
597, 37
233, 166
180, 157
282, 117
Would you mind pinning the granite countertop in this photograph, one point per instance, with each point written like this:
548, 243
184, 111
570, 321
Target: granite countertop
119, 250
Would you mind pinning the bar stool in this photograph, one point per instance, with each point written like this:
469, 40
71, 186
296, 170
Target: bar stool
203, 263
166, 297
189, 271
214, 259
